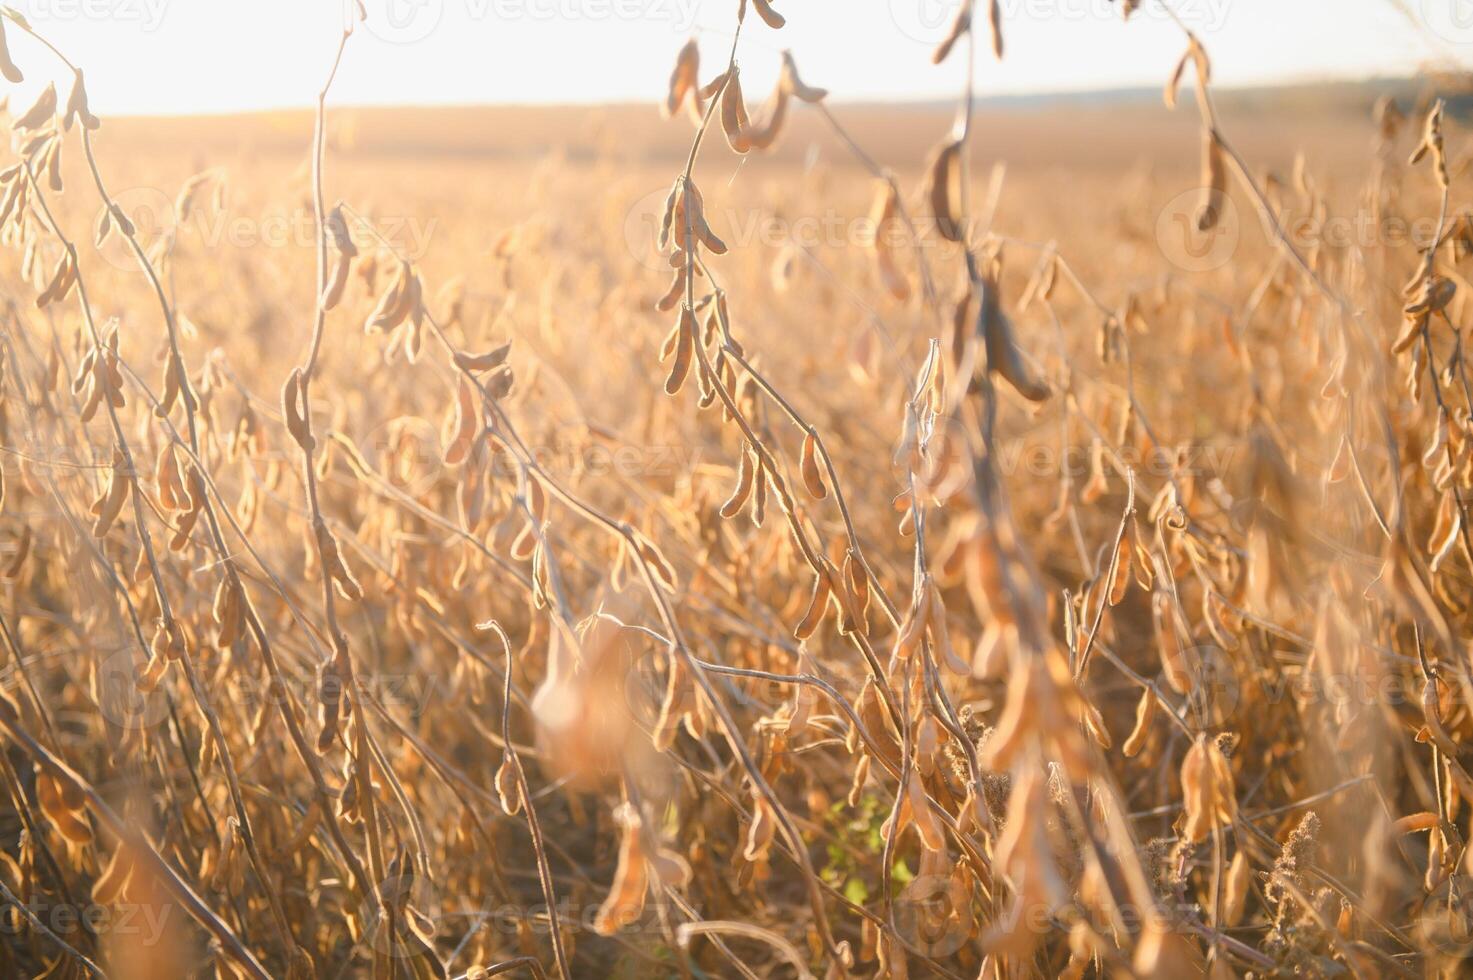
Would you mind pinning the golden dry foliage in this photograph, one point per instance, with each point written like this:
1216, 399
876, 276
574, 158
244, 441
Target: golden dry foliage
977, 604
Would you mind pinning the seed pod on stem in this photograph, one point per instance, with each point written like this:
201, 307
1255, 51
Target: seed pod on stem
734, 120
76, 106
1214, 182
40, 113
884, 218
960, 25
684, 81
944, 165
769, 16
684, 337
7, 66
344, 251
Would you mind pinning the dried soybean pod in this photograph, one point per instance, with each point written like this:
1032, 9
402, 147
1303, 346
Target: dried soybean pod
812, 477
936, 624
7, 66
858, 581
960, 24
817, 606
1173, 84
121, 219
685, 344
928, 824
464, 423
226, 611
672, 207
76, 106
942, 164
762, 831
1173, 662
1444, 531
883, 215
1094, 723
109, 506
676, 292
509, 783
708, 383
759, 491
1235, 893
293, 410
762, 137
625, 901
342, 576
734, 121
397, 303
926, 745
711, 89
172, 494
661, 568
738, 498
1003, 354
792, 83
672, 341
62, 806
172, 389
1214, 182
770, 17
53, 167
683, 79
488, 361
861, 771
40, 112
1145, 711
103, 229
344, 253
60, 283
697, 205
114, 878
1120, 572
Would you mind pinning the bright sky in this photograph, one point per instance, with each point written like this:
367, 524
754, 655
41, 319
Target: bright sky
183, 56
